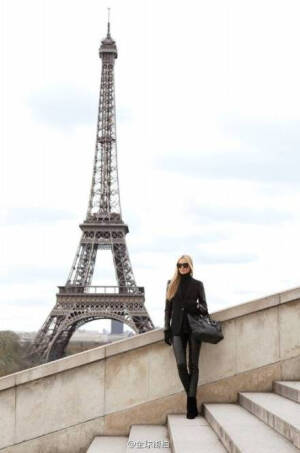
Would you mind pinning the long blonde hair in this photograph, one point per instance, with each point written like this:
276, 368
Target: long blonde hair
174, 282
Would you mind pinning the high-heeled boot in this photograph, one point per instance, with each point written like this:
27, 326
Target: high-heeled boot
192, 410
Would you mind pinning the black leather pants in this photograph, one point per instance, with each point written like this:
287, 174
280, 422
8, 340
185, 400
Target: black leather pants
189, 380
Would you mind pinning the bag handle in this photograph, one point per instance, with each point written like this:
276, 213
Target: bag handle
198, 307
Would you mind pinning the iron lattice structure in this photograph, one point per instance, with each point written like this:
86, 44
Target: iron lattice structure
78, 302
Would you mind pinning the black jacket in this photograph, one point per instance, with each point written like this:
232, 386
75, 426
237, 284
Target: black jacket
175, 307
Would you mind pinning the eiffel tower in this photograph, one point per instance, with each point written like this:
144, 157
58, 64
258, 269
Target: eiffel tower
78, 302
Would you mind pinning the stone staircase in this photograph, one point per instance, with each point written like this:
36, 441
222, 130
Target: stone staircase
260, 423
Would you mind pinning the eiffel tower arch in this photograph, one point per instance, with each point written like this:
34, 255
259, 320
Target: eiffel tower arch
78, 301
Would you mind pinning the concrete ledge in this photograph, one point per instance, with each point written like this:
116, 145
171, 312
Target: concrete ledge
77, 438
247, 308
82, 358
291, 294
140, 340
262, 303
120, 381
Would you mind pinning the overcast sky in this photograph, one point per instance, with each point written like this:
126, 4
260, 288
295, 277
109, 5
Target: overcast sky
208, 110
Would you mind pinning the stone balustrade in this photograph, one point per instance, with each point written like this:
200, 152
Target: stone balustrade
62, 405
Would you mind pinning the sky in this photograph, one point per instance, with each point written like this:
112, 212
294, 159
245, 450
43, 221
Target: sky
208, 116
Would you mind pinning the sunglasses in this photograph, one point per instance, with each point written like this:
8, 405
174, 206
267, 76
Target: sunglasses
185, 265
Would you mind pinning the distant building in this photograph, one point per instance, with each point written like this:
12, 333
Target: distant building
116, 327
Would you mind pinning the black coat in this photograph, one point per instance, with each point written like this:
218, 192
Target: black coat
176, 306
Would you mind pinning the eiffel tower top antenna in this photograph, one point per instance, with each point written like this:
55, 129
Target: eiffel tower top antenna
108, 22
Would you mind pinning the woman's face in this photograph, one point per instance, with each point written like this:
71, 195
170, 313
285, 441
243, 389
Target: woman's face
185, 269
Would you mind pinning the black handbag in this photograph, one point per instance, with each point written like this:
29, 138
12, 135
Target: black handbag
206, 329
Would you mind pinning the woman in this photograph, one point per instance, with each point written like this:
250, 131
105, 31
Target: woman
182, 293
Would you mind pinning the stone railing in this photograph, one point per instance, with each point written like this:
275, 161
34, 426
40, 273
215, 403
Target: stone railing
62, 405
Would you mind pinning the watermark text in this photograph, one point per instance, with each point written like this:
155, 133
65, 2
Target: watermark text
148, 444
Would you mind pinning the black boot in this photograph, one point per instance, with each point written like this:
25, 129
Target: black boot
192, 410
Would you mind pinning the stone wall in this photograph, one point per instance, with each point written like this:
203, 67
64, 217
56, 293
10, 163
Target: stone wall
61, 406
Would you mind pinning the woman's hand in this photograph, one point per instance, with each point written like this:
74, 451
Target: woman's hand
168, 336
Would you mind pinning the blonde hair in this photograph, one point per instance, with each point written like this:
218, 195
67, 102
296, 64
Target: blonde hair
174, 282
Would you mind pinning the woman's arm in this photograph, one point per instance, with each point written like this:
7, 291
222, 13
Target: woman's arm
168, 311
202, 299
167, 327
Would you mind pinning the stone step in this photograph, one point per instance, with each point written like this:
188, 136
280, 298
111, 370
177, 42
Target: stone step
108, 444
276, 411
148, 438
242, 432
288, 389
192, 435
